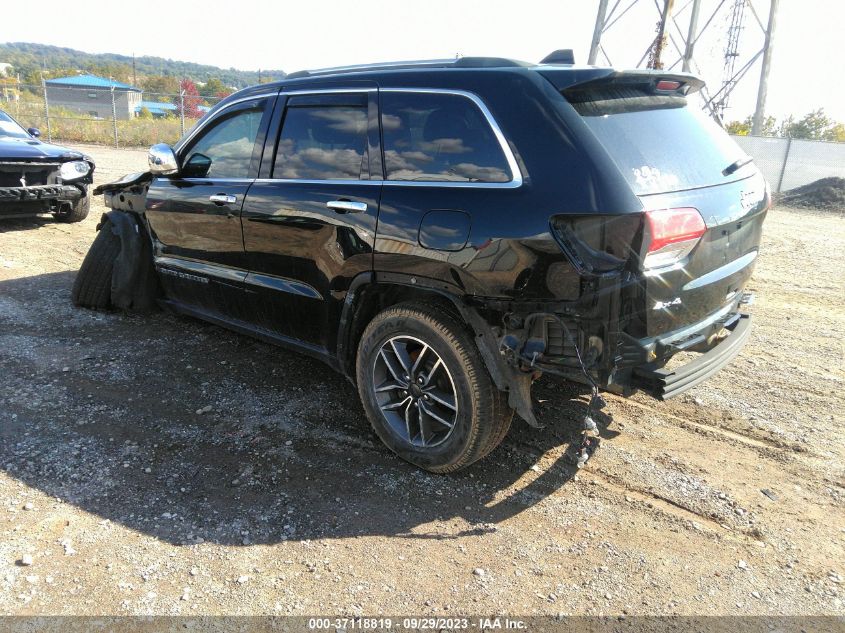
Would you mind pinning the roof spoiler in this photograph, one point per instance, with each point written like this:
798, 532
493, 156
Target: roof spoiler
560, 56
652, 81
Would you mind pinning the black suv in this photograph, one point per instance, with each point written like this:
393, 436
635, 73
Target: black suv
37, 177
444, 232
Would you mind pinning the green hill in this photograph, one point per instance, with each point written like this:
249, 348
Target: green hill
29, 59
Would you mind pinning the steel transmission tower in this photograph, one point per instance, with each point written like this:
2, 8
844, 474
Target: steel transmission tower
729, 78
674, 42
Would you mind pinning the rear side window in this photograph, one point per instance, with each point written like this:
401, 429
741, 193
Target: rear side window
439, 137
323, 142
659, 142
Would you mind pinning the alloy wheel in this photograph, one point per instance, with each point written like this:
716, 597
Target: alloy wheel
415, 391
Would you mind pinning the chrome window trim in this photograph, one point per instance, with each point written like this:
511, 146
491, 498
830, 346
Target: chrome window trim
222, 181
516, 175
183, 142
311, 181
318, 91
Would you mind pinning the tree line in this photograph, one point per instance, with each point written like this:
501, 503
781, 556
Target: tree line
815, 125
30, 61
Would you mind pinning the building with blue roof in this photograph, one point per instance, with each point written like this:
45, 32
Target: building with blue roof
92, 95
157, 108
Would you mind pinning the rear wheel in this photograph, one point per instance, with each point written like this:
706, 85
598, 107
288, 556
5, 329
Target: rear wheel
92, 286
426, 391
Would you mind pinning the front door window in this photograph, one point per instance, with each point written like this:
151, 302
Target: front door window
225, 151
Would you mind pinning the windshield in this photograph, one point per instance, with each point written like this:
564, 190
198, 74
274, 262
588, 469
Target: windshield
10, 128
659, 142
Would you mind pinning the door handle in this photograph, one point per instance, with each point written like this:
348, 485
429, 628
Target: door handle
346, 206
223, 198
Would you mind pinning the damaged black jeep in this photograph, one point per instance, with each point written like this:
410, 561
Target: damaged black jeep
444, 232
38, 178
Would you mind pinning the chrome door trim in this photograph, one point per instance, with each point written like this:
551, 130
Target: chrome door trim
203, 268
282, 284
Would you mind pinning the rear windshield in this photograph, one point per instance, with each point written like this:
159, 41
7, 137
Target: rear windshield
660, 143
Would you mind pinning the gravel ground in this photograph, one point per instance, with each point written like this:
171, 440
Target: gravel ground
159, 465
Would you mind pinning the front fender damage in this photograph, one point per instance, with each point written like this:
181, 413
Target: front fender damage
127, 194
134, 283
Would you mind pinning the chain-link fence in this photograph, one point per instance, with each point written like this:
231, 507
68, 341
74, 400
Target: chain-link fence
113, 116
790, 162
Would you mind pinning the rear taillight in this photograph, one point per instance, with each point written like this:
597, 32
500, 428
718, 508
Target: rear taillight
670, 235
668, 84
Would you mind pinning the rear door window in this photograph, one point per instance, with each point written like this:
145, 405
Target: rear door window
323, 137
439, 137
660, 143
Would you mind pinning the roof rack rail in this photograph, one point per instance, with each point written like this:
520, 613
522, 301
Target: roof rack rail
461, 62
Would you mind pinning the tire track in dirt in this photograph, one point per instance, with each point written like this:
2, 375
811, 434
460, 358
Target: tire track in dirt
758, 443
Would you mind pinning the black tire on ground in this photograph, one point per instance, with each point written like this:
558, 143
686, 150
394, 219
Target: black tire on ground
480, 416
92, 286
78, 211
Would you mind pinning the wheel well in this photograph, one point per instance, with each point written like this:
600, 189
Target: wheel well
376, 297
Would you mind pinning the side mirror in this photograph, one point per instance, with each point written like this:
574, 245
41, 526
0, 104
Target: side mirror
34, 132
162, 160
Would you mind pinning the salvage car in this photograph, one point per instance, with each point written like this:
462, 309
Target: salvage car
444, 232
40, 178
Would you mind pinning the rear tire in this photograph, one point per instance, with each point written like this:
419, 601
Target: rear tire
92, 286
78, 211
410, 340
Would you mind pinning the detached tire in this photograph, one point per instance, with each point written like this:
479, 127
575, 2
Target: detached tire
426, 390
92, 286
78, 211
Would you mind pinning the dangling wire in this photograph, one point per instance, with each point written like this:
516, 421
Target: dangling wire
589, 431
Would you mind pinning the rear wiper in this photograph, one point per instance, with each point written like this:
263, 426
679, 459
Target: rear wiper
740, 162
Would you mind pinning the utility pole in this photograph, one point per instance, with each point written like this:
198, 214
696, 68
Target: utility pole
134, 78
760, 111
597, 31
46, 108
692, 35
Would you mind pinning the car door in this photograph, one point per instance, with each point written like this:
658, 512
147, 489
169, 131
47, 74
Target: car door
195, 215
309, 225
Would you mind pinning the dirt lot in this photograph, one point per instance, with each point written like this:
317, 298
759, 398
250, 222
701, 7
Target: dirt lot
124, 499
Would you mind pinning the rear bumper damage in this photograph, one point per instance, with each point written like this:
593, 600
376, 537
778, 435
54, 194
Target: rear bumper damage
664, 383
594, 351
